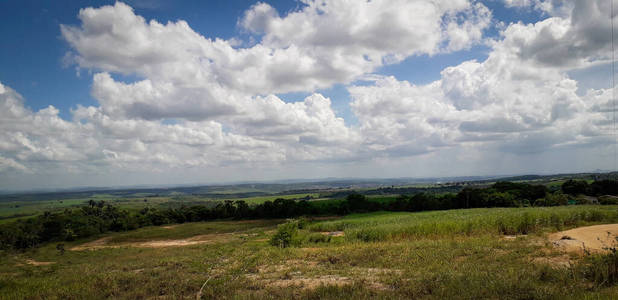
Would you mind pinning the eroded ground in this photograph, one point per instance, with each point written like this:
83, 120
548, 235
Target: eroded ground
195, 240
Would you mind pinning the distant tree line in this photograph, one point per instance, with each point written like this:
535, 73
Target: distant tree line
454, 188
596, 188
99, 217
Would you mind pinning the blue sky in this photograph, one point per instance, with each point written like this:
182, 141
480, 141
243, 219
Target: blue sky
33, 61
368, 89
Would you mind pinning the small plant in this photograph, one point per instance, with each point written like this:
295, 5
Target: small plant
60, 248
602, 269
333, 259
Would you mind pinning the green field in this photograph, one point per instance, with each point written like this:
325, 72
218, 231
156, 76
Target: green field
262, 199
455, 254
11, 210
402, 226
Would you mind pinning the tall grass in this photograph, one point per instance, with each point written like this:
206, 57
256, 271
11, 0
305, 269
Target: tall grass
602, 269
388, 226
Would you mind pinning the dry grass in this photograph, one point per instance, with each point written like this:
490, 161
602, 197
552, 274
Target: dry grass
239, 263
195, 240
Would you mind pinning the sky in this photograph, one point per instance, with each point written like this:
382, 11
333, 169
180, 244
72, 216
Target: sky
148, 92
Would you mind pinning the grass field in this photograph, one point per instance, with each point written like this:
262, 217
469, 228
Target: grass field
457, 254
262, 199
11, 210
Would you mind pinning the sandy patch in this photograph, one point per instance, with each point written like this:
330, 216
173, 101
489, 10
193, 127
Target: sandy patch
562, 261
196, 240
591, 238
289, 264
300, 263
310, 283
512, 237
288, 275
333, 233
252, 222
376, 271
325, 218
96, 244
311, 249
39, 263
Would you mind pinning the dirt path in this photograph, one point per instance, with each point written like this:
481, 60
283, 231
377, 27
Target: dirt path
96, 244
591, 238
196, 240
39, 263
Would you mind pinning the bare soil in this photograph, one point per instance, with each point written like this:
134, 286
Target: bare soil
196, 240
598, 238
333, 233
561, 261
512, 237
39, 263
310, 283
288, 274
96, 244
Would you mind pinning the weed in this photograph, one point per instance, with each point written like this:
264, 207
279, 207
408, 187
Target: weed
602, 269
318, 238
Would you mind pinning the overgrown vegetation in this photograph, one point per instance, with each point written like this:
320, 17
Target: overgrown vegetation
450, 254
602, 269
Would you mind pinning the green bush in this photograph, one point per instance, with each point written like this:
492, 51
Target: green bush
287, 234
583, 200
608, 200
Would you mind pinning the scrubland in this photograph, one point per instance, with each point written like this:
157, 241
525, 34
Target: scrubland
499, 253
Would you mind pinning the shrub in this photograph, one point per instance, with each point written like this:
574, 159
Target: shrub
555, 199
540, 202
608, 200
60, 248
287, 234
583, 200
